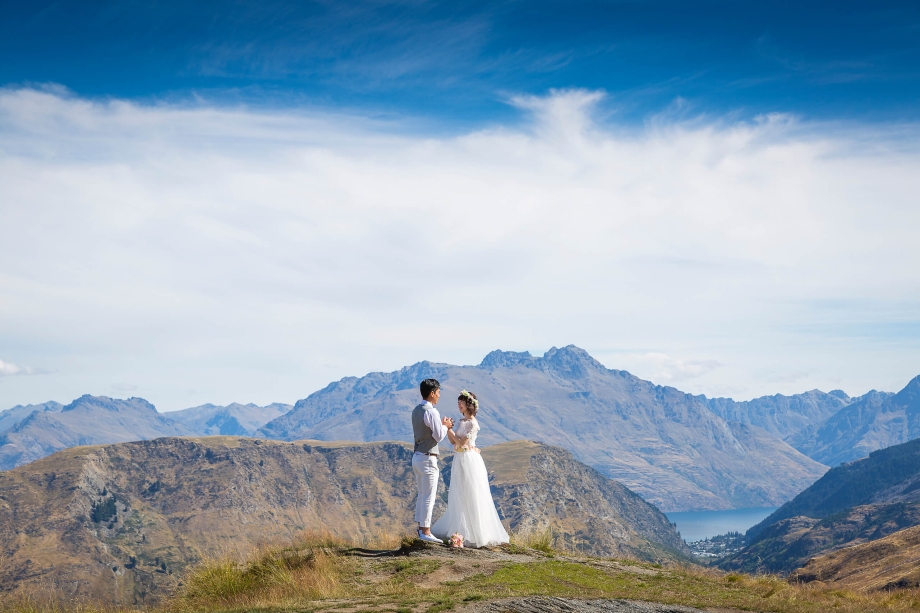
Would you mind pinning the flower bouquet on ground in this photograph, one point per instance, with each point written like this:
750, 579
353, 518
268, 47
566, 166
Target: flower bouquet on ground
455, 540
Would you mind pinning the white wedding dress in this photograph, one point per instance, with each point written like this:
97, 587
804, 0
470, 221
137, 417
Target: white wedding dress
470, 508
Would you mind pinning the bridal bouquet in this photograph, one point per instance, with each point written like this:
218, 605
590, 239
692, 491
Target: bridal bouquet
456, 540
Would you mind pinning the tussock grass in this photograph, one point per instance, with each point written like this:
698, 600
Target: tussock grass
383, 540
537, 539
311, 567
48, 601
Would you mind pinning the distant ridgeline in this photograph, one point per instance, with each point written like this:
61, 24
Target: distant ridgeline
678, 451
852, 504
120, 522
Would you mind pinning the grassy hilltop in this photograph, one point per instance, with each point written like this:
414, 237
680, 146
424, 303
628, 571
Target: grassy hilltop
319, 573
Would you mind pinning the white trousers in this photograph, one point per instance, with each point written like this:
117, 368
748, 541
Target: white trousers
426, 472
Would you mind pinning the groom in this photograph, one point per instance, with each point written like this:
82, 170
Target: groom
429, 429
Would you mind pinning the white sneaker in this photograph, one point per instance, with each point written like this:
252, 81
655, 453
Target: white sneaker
429, 538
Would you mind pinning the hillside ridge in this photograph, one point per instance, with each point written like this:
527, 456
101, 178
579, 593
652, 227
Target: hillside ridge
130, 517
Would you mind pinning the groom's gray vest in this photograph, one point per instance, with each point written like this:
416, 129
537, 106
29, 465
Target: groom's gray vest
424, 439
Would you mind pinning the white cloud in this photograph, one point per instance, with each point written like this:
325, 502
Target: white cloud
237, 252
665, 369
8, 369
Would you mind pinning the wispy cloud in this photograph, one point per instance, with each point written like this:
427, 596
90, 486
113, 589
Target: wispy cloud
8, 369
238, 251
664, 369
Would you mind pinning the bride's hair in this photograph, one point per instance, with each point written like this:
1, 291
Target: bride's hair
472, 405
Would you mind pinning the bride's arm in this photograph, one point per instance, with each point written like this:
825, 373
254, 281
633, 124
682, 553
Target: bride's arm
459, 440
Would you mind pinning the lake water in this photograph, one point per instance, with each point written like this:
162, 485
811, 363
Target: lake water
699, 525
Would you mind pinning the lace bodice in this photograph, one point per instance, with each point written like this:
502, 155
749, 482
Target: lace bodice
468, 427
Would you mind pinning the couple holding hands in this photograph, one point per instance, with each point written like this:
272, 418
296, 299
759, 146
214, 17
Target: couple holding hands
470, 508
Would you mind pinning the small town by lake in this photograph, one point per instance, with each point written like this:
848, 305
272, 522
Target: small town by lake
699, 525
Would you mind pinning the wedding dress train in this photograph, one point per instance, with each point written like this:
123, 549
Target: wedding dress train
470, 508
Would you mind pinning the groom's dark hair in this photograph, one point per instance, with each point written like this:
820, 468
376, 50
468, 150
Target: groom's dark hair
427, 386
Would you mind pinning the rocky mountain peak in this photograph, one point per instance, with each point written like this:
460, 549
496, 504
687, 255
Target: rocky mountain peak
505, 359
910, 392
410, 376
839, 394
110, 404
572, 362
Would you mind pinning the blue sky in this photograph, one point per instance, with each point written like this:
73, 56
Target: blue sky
219, 202
459, 61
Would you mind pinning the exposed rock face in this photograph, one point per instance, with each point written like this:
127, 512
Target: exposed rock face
88, 420
232, 420
877, 420
668, 446
118, 522
888, 563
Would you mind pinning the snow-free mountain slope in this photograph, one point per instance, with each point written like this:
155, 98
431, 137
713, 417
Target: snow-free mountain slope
887, 475
88, 420
232, 420
782, 416
10, 417
664, 444
852, 504
875, 421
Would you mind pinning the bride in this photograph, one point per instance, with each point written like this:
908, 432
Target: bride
470, 509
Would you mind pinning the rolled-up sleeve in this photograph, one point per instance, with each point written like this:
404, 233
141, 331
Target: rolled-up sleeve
432, 419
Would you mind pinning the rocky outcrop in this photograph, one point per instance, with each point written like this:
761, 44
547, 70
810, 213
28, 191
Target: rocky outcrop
120, 522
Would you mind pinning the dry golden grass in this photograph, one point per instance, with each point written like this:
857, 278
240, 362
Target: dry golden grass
49, 602
311, 567
314, 574
541, 539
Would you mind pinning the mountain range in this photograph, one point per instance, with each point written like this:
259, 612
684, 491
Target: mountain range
668, 446
119, 523
232, 420
31, 432
679, 451
875, 421
87, 420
